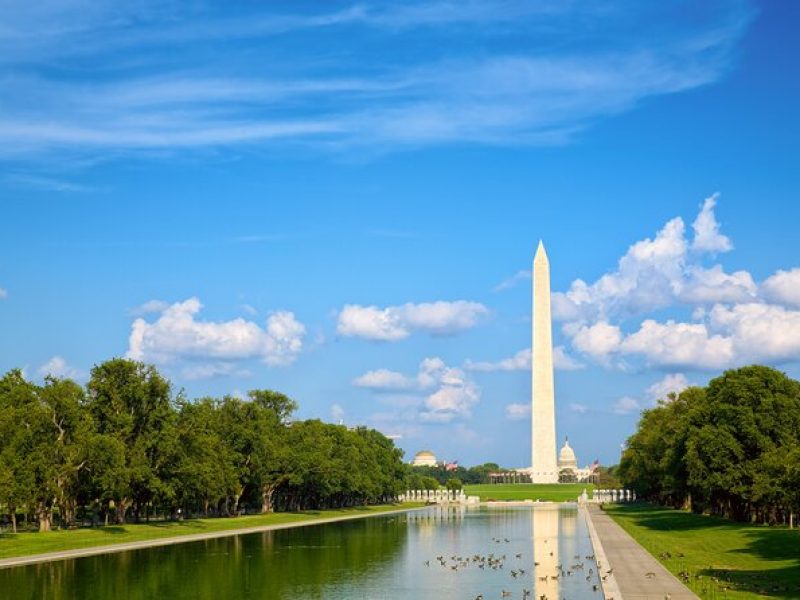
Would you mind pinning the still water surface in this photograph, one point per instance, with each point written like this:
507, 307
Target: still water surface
373, 558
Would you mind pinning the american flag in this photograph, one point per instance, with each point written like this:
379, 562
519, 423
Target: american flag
594, 466
451, 466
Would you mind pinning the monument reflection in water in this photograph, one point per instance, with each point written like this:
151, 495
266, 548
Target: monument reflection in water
392, 557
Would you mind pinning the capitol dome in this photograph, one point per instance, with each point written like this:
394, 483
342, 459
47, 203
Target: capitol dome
566, 457
425, 458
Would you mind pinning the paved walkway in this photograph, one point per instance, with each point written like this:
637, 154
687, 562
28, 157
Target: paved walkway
182, 539
632, 563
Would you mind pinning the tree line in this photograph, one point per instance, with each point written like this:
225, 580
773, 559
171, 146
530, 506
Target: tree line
432, 477
731, 448
125, 447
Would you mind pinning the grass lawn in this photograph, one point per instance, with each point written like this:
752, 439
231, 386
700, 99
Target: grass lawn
711, 554
555, 492
25, 544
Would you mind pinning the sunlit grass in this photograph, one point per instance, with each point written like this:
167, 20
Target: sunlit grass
556, 492
717, 558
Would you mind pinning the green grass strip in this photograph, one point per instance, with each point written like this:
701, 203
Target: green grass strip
555, 492
716, 558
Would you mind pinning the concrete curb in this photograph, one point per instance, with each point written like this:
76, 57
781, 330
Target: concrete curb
611, 590
21, 561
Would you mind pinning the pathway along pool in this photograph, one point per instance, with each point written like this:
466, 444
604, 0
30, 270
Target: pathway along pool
483, 551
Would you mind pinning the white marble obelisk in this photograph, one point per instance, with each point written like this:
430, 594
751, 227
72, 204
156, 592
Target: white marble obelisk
543, 418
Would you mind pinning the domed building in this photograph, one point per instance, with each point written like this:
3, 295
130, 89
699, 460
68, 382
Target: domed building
425, 458
568, 466
566, 458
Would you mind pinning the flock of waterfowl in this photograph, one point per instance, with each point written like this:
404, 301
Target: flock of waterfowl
583, 567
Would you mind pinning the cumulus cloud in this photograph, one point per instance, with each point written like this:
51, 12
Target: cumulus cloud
578, 408
384, 379
733, 319
521, 361
783, 287
3, 293
728, 336
760, 331
672, 383
441, 393
597, 340
177, 334
707, 286
58, 367
659, 272
626, 405
395, 323
707, 237
677, 344
518, 412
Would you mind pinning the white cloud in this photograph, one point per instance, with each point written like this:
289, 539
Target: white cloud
398, 322
177, 335
760, 332
578, 408
564, 362
732, 319
512, 281
671, 383
645, 279
783, 287
678, 344
533, 95
58, 367
521, 361
3, 293
384, 379
149, 307
707, 237
626, 405
657, 273
448, 392
597, 340
337, 413
210, 370
707, 286
518, 412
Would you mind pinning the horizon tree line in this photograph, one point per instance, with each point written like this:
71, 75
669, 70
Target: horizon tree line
125, 447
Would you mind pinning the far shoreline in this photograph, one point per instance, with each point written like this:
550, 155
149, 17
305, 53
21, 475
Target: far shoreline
46, 557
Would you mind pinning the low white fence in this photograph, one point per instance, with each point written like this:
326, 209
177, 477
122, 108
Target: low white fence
603, 496
438, 497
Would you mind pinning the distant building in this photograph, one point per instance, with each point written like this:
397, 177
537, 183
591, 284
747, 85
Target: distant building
425, 458
568, 462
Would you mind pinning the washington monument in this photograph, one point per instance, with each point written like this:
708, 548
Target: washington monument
543, 419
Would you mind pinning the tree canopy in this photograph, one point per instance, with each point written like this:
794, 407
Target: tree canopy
730, 448
126, 447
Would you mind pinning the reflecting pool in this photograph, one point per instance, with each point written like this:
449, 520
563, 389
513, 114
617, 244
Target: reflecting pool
440, 552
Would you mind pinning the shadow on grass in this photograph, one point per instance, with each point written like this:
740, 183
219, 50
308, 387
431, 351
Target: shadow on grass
667, 519
775, 583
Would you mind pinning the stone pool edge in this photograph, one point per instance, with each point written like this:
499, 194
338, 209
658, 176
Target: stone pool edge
22, 561
611, 590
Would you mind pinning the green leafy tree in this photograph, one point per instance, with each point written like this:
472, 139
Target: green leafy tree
131, 403
454, 484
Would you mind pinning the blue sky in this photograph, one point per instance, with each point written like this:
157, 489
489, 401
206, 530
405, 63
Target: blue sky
342, 201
